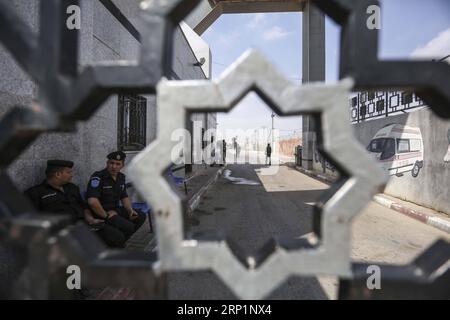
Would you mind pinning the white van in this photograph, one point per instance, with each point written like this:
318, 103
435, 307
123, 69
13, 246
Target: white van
398, 149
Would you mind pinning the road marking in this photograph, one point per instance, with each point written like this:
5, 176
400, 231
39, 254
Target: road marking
240, 181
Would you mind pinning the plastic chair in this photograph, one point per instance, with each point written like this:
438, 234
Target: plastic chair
145, 208
178, 181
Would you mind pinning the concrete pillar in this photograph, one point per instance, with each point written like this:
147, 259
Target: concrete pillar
313, 48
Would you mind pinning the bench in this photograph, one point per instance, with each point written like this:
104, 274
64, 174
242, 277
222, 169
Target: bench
142, 206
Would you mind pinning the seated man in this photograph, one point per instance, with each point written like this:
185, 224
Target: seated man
56, 194
107, 189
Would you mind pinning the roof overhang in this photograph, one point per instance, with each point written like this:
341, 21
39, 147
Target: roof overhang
209, 11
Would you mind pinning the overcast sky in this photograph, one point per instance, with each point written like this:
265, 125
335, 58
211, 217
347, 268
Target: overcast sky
410, 29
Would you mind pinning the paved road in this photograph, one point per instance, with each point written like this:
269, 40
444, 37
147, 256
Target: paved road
281, 206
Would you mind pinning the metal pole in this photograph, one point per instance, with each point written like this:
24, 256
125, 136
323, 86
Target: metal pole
273, 116
442, 59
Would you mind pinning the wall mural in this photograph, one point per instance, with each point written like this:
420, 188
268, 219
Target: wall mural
374, 105
447, 156
398, 149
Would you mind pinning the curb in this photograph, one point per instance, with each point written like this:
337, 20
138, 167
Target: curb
192, 204
195, 199
312, 174
435, 222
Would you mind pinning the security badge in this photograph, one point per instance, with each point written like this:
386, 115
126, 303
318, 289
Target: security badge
95, 182
48, 196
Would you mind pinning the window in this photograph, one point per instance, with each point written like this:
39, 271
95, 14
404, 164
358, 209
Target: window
363, 110
402, 145
389, 150
132, 123
363, 97
380, 105
385, 146
407, 97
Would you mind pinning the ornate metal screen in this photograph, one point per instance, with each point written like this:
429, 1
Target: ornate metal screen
67, 96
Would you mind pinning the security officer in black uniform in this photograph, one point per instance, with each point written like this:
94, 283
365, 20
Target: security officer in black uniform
56, 194
107, 189
224, 152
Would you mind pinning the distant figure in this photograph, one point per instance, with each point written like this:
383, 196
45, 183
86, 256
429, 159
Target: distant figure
235, 147
224, 152
269, 154
213, 156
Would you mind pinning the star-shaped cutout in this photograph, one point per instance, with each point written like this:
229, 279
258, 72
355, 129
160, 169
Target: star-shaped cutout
361, 177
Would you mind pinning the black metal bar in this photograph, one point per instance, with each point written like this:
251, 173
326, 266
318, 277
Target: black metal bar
387, 104
359, 60
19, 39
123, 20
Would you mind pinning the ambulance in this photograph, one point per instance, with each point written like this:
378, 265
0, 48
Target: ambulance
399, 149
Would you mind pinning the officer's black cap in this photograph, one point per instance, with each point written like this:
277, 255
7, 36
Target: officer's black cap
60, 163
117, 155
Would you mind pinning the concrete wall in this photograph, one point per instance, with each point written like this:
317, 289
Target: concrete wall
286, 146
430, 187
184, 59
184, 68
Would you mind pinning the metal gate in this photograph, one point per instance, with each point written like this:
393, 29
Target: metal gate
49, 244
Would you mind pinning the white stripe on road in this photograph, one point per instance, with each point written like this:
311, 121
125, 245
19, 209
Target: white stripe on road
236, 180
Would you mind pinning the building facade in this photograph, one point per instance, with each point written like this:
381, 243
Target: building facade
108, 33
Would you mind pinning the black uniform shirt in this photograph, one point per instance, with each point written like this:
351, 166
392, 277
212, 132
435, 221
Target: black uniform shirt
46, 198
107, 190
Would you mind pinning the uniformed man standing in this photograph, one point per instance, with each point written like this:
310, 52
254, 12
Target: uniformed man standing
269, 154
56, 194
224, 152
107, 190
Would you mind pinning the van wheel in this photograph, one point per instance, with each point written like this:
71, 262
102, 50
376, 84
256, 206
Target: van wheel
416, 169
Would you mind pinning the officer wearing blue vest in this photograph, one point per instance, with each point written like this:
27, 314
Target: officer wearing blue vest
108, 199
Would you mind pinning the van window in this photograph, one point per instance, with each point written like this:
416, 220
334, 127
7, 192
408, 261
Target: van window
415, 145
403, 145
385, 146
